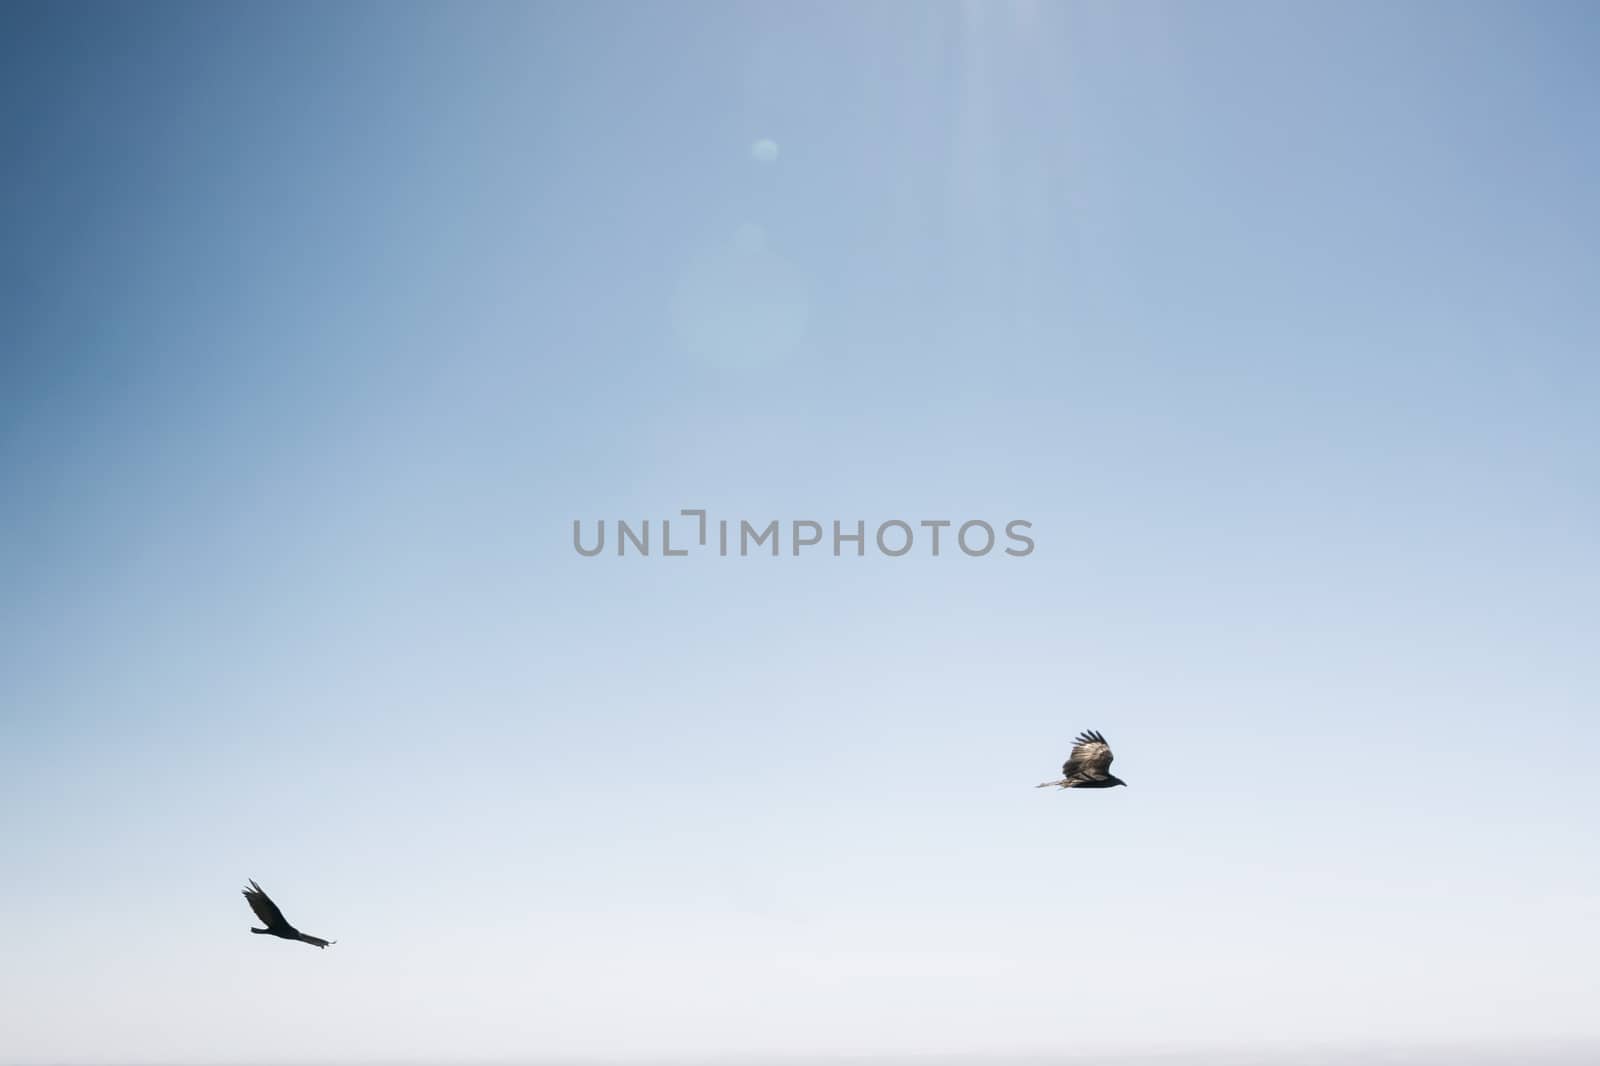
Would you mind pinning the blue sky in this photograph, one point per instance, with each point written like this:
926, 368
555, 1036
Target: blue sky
320, 328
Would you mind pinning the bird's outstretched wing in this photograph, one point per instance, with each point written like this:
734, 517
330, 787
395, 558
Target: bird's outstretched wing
1091, 756
265, 909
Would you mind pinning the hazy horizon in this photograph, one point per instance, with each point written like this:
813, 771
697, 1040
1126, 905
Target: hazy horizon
322, 326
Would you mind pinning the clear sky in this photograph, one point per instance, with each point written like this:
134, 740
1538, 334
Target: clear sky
321, 324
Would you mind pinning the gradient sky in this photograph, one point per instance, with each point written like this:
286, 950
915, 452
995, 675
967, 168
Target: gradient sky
321, 325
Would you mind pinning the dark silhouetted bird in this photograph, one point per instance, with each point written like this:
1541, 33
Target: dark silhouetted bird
1089, 765
276, 924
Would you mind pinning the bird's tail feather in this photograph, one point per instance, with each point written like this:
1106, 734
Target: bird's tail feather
1060, 783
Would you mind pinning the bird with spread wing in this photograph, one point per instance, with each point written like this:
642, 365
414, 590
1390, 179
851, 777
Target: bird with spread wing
1089, 765
273, 919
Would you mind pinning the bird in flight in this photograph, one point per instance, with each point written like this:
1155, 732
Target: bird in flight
1089, 765
273, 919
